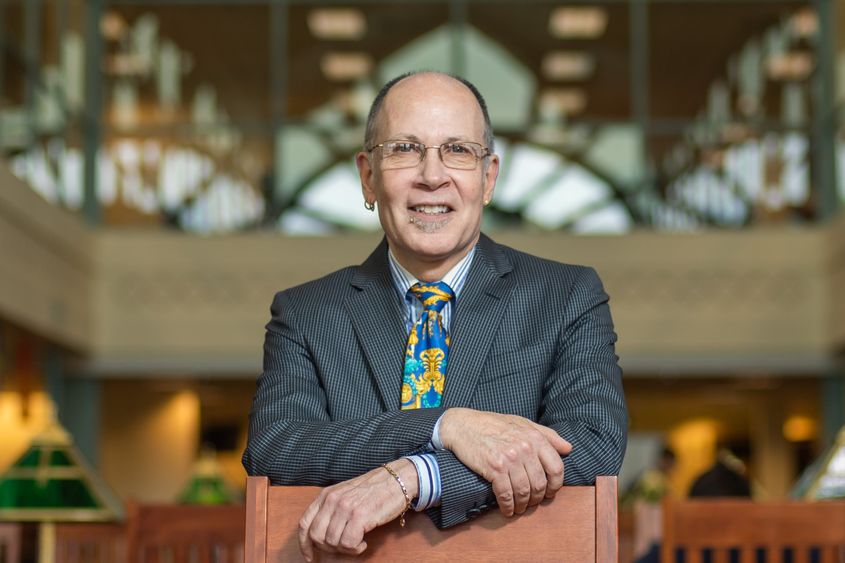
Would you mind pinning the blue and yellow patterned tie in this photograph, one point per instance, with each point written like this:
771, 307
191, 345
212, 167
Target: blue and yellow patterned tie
428, 349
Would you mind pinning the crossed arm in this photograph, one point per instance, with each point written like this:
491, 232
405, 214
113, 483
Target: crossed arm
487, 455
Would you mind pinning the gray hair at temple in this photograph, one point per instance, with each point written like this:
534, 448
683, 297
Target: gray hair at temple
370, 131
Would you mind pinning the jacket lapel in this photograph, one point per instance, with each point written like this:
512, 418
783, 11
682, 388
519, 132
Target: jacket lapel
475, 322
377, 320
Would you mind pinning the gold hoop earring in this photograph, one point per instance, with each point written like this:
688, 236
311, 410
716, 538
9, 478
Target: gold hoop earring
369, 205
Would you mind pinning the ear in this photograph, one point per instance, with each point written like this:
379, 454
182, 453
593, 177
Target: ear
490, 175
366, 173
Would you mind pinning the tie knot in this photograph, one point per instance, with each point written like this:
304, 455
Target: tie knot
434, 296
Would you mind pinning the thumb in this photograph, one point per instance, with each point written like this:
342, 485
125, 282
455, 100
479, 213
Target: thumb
360, 548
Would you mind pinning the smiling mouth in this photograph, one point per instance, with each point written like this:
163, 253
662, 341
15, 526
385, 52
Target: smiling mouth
431, 209
429, 218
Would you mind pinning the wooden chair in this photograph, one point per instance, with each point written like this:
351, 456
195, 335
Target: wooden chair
90, 543
626, 535
578, 526
185, 533
10, 542
734, 529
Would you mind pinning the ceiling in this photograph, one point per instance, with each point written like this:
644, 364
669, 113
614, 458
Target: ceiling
688, 47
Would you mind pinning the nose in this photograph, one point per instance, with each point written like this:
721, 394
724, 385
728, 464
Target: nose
433, 172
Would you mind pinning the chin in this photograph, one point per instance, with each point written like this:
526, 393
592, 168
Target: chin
437, 246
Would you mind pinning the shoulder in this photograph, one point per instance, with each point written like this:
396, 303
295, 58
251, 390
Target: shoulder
322, 292
536, 270
330, 283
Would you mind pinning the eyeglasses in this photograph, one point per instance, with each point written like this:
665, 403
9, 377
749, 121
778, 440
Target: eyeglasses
408, 154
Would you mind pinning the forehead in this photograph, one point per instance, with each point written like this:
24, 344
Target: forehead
432, 107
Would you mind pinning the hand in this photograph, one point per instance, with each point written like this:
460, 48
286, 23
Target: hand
341, 514
519, 457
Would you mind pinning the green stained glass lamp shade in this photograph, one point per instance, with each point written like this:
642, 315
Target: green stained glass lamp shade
45, 494
52, 482
207, 485
206, 491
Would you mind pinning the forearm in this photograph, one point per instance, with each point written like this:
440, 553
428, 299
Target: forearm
584, 401
321, 452
595, 451
591, 415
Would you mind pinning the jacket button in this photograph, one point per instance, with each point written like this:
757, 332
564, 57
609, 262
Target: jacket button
473, 513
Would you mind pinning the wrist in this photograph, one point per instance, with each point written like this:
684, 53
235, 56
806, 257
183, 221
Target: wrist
407, 471
448, 420
407, 502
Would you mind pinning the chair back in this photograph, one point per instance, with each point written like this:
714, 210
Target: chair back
90, 543
185, 533
10, 542
738, 529
578, 526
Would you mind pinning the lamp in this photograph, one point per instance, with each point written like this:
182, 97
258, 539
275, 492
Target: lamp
51, 482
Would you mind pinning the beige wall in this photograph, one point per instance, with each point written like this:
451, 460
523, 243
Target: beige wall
149, 439
717, 301
46, 273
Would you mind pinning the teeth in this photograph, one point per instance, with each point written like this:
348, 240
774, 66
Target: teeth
431, 209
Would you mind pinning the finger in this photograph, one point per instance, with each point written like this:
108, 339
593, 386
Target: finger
352, 540
320, 524
553, 468
357, 550
342, 514
335, 528
521, 487
537, 480
562, 446
504, 494
305, 544
323, 548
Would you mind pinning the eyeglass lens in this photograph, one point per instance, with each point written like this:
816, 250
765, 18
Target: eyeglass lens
402, 154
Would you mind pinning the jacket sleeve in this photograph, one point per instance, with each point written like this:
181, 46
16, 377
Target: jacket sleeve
582, 400
292, 438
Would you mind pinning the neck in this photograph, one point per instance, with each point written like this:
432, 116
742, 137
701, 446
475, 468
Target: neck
431, 270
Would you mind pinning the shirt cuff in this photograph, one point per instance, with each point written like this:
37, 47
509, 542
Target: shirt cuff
428, 474
435, 442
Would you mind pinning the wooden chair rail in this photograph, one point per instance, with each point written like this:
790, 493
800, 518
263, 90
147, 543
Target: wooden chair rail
806, 530
10, 542
185, 534
578, 526
90, 543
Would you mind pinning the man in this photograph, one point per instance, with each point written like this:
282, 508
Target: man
450, 395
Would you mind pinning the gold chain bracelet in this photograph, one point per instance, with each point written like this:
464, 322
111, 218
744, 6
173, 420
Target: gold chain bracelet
404, 492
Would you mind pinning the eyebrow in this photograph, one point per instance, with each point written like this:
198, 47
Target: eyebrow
414, 138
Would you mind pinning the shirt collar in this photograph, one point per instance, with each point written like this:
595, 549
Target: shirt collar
454, 278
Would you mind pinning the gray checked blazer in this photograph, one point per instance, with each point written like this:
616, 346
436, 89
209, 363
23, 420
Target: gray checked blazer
530, 337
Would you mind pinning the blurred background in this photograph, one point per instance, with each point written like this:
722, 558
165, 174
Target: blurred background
165, 167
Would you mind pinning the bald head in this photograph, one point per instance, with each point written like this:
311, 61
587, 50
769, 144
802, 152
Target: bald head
424, 79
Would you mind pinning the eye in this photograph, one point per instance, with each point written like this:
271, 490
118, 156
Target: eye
458, 148
405, 147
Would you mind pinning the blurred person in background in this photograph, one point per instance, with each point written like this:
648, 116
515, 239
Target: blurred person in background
727, 477
646, 496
